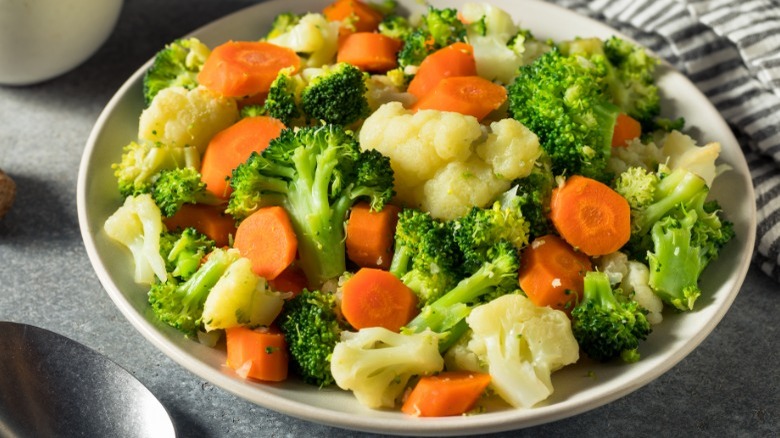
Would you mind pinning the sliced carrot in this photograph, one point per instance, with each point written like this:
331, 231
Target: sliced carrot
267, 238
552, 273
590, 216
209, 220
470, 95
291, 280
371, 235
627, 128
245, 68
454, 60
232, 146
354, 15
377, 298
446, 394
370, 52
258, 354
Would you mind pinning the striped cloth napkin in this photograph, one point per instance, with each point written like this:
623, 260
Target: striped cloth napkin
731, 50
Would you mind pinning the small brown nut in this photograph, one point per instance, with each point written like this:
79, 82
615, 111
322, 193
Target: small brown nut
7, 193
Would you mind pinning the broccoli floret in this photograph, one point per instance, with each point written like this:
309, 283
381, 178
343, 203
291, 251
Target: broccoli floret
438, 28
376, 364
175, 187
311, 328
532, 195
395, 26
183, 251
252, 111
180, 304
178, 64
282, 24
283, 101
632, 85
384, 7
142, 163
337, 95
637, 185
678, 187
606, 327
446, 315
426, 257
316, 174
561, 99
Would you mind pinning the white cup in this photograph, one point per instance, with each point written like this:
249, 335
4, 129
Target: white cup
41, 39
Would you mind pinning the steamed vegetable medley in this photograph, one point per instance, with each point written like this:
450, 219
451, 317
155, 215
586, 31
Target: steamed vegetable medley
407, 206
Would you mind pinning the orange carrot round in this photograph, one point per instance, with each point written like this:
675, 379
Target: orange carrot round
376, 298
590, 216
368, 51
258, 354
355, 15
470, 95
267, 238
446, 394
371, 235
207, 219
245, 68
291, 280
454, 60
552, 273
627, 128
232, 146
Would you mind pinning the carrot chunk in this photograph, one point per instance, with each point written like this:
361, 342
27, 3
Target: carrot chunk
446, 394
377, 298
267, 238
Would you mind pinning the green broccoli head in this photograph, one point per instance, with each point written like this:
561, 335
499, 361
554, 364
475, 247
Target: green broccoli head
175, 187
316, 173
180, 304
284, 97
438, 28
395, 26
183, 251
142, 162
561, 99
637, 185
605, 326
426, 257
336, 96
532, 196
632, 85
312, 329
178, 64
282, 24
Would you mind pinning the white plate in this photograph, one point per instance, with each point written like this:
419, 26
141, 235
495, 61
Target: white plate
576, 388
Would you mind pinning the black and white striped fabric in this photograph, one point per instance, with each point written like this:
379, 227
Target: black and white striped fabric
731, 50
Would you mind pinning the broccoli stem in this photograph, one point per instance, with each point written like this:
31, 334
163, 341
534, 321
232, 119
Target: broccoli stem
599, 290
679, 186
196, 289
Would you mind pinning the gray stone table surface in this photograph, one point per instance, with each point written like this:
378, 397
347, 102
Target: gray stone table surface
728, 386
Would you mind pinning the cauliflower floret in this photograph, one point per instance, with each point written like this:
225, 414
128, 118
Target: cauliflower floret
314, 38
137, 225
376, 363
636, 284
522, 345
179, 117
636, 154
240, 297
446, 162
510, 148
683, 152
615, 265
494, 59
460, 185
381, 90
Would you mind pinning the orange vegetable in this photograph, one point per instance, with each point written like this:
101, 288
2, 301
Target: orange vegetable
590, 216
245, 68
376, 298
470, 95
258, 354
454, 60
209, 220
626, 128
371, 235
368, 51
445, 394
355, 16
552, 272
267, 238
291, 280
232, 146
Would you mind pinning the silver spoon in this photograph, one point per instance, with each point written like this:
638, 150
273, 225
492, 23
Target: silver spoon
54, 386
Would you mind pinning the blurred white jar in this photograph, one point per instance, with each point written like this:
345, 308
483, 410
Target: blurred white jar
41, 39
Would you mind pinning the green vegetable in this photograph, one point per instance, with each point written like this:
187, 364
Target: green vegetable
183, 251
178, 64
337, 96
142, 163
282, 24
175, 187
438, 28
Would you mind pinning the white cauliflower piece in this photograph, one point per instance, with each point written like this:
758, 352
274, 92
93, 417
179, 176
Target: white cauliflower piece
376, 364
381, 89
240, 297
179, 117
511, 149
494, 59
683, 152
636, 154
137, 225
636, 284
615, 265
314, 38
460, 185
522, 345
